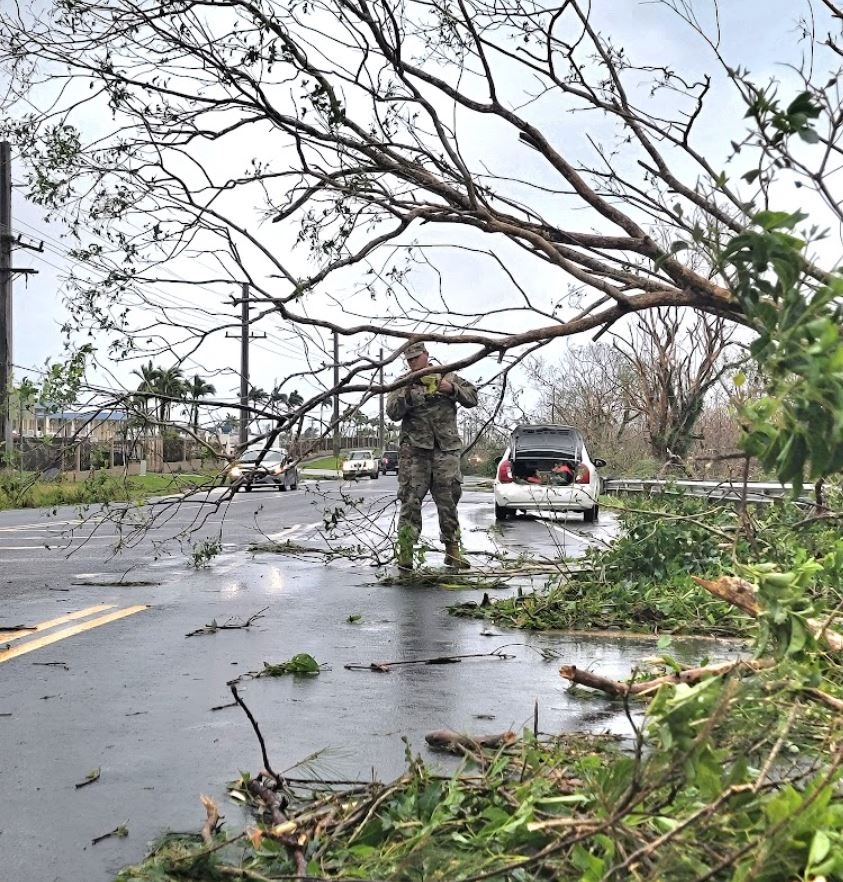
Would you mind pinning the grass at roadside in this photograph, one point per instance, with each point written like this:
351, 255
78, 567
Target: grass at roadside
328, 463
18, 491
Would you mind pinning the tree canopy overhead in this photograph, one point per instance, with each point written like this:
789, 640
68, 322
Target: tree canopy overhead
491, 173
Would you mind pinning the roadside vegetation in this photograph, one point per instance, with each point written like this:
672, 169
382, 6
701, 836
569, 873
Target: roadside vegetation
24, 491
644, 581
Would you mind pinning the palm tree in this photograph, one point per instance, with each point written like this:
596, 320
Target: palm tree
197, 388
170, 384
277, 397
256, 396
149, 375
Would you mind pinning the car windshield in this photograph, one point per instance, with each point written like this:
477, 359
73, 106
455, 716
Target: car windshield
360, 454
253, 456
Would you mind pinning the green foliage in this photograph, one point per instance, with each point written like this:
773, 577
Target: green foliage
643, 581
794, 430
63, 380
694, 797
204, 551
302, 663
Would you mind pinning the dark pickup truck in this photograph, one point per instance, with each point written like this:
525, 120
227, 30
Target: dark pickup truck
389, 462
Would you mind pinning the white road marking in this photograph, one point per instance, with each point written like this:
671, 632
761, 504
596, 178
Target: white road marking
44, 525
579, 537
59, 544
283, 534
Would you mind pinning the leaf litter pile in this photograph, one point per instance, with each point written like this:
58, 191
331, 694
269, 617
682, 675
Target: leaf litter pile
732, 771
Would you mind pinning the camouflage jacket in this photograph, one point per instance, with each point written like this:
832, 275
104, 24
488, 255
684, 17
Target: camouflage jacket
429, 421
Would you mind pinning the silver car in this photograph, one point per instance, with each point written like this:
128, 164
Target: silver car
259, 468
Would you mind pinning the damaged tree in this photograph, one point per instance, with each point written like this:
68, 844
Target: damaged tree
361, 129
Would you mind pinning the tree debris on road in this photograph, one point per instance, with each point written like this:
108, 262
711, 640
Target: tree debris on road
232, 624
386, 666
90, 778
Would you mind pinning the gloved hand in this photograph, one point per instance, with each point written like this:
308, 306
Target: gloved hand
431, 383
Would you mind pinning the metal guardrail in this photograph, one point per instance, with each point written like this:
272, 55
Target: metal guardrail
756, 491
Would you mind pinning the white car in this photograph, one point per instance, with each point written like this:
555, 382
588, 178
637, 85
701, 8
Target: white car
359, 464
546, 468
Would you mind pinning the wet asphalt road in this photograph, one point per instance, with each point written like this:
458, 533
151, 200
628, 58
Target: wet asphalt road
133, 696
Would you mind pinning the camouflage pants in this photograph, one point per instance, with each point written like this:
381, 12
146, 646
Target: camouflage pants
438, 471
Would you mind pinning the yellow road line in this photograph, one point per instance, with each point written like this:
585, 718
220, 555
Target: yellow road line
9, 636
38, 643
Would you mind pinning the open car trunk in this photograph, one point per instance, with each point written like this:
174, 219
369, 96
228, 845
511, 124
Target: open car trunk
545, 455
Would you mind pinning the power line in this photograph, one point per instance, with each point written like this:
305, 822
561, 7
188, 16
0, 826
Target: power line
170, 301
60, 250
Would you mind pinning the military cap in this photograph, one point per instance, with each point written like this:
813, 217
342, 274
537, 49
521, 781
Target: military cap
414, 349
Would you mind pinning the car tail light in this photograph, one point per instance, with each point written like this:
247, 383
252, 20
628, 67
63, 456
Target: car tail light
583, 474
505, 472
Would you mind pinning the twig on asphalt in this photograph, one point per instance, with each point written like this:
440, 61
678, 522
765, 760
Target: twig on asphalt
90, 778
224, 706
229, 625
121, 832
384, 667
279, 780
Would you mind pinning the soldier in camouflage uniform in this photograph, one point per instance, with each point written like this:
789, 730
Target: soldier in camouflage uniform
429, 453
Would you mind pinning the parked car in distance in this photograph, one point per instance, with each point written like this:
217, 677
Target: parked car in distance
360, 463
389, 462
259, 468
546, 468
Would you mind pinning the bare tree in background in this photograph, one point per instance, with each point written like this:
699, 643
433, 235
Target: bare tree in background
587, 387
671, 366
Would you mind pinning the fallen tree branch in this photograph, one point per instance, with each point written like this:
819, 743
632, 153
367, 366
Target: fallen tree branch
212, 819
90, 778
830, 701
282, 829
121, 832
618, 688
228, 625
384, 667
258, 733
454, 742
743, 595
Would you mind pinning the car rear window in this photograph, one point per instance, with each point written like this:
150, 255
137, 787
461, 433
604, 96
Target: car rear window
532, 440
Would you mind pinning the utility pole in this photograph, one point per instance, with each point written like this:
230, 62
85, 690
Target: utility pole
381, 427
6, 297
6, 273
336, 395
244, 364
245, 338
